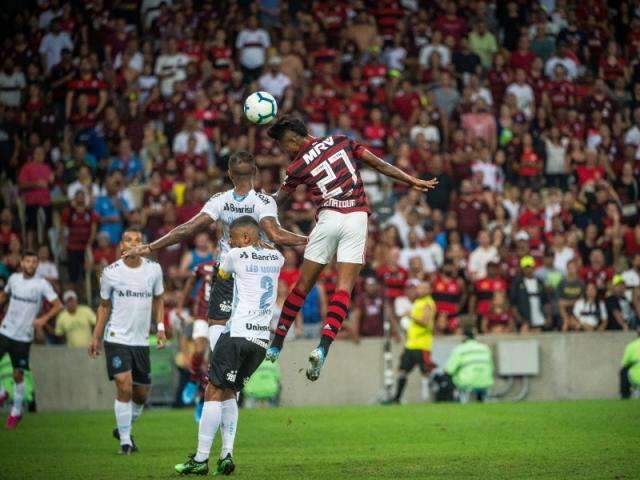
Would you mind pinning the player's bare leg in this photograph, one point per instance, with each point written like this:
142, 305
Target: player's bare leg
337, 311
309, 273
220, 411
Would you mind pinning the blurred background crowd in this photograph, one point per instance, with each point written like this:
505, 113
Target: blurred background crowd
116, 113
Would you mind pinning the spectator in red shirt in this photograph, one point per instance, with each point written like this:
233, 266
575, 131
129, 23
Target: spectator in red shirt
523, 57
94, 89
451, 24
81, 224
597, 271
392, 276
35, 180
530, 164
367, 319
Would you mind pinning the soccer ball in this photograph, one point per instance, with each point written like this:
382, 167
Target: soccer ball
260, 108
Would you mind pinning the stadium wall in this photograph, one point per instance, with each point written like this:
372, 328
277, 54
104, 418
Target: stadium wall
572, 366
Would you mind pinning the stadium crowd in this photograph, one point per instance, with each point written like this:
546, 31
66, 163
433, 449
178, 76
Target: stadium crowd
117, 113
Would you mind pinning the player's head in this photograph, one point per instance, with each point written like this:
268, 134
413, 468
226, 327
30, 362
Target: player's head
132, 237
290, 133
244, 231
242, 166
423, 289
29, 263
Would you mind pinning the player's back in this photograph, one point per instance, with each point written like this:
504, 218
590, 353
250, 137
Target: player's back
226, 207
330, 167
256, 271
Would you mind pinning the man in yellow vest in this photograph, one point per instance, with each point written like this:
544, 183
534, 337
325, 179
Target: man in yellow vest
630, 372
417, 349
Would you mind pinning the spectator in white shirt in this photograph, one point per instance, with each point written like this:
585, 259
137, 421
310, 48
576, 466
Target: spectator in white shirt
632, 137
558, 58
482, 256
435, 45
171, 67
431, 253
424, 127
523, 92
589, 311
190, 129
273, 80
52, 45
252, 43
11, 84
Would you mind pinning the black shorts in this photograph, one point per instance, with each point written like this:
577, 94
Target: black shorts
220, 299
31, 216
421, 358
233, 361
127, 358
18, 352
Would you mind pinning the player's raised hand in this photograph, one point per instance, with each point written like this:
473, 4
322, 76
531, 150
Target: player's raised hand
94, 348
136, 251
424, 185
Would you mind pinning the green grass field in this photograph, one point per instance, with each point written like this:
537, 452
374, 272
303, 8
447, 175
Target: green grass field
556, 440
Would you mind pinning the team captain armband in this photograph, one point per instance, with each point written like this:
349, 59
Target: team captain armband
223, 275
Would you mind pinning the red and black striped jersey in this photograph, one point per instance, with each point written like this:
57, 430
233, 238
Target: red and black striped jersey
204, 274
330, 167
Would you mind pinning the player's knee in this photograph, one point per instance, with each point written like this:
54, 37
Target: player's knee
18, 375
124, 390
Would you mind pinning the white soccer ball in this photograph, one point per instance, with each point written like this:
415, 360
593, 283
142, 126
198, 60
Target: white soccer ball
260, 108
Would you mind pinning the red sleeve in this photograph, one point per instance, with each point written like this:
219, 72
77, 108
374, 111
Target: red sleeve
357, 148
64, 218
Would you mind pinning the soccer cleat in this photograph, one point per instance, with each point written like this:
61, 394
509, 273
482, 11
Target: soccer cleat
225, 466
125, 450
12, 421
316, 360
272, 354
191, 467
116, 435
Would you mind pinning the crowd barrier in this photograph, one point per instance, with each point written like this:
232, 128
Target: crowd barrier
572, 366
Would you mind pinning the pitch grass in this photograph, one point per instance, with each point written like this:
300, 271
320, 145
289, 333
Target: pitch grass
555, 440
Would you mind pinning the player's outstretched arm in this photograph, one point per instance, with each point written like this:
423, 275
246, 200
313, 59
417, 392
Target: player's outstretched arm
394, 172
158, 308
177, 235
279, 235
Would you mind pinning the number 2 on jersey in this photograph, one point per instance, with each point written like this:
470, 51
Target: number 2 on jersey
331, 175
266, 283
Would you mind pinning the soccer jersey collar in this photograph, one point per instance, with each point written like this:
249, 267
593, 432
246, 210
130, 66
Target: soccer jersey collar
240, 198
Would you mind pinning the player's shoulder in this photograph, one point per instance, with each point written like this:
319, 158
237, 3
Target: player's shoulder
219, 197
264, 198
152, 266
113, 268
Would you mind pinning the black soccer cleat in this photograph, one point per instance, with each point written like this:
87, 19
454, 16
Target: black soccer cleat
225, 466
125, 450
116, 435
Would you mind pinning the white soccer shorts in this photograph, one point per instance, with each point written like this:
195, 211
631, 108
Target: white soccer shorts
200, 329
344, 233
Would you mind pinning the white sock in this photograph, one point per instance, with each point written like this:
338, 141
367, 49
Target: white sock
214, 334
424, 389
18, 398
123, 420
228, 426
209, 423
136, 410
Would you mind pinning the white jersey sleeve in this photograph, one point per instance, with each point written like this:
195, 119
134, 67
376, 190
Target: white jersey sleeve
227, 265
158, 286
214, 207
106, 285
48, 292
7, 287
267, 207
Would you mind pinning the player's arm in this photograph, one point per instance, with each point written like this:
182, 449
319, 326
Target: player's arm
177, 235
279, 235
102, 315
42, 320
158, 308
389, 170
184, 295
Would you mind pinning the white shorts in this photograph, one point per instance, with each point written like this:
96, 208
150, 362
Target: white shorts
345, 233
200, 329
